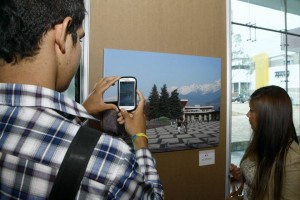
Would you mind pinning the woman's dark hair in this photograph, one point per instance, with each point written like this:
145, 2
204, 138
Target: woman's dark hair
272, 138
23, 23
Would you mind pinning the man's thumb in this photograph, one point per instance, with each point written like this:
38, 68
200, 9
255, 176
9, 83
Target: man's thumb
125, 114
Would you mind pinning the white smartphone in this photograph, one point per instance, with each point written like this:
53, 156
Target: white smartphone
127, 96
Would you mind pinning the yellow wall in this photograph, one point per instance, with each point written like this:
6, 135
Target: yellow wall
192, 27
261, 62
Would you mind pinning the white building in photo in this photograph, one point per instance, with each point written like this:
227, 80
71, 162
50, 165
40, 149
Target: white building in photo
199, 113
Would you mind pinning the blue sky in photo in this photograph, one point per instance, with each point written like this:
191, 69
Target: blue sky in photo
184, 72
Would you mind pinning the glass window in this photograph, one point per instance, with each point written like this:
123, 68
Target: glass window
258, 13
262, 54
293, 16
73, 92
70, 92
235, 88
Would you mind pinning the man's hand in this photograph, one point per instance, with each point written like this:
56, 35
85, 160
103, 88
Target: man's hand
135, 122
94, 104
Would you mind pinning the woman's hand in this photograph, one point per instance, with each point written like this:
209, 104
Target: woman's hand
94, 104
235, 172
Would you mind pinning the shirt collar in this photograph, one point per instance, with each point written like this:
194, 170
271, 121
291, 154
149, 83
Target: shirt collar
35, 96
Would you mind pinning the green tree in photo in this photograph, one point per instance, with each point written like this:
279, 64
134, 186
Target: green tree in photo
175, 106
164, 103
153, 105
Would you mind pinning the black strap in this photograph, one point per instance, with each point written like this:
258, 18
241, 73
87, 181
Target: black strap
73, 167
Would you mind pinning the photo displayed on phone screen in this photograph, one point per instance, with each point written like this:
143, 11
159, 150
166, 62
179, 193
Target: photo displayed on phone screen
127, 93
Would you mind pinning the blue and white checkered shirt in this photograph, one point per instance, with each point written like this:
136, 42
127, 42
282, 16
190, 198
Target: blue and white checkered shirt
36, 128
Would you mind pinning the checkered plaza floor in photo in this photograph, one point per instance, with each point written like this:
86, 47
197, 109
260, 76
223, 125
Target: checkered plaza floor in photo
198, 135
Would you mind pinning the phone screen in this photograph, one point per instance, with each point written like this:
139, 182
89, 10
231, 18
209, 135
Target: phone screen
127, 93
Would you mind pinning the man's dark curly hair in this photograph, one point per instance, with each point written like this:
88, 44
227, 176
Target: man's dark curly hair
23, 23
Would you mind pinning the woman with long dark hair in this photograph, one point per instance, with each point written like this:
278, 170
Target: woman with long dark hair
270, 166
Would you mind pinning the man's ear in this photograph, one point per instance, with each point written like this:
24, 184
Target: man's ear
62, 32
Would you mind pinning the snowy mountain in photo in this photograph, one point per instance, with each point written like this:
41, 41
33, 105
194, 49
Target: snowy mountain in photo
201, 94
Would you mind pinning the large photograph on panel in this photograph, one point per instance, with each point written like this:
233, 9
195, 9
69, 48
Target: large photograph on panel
182, 95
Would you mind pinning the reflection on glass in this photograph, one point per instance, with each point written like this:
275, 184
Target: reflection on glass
293, 16
250, 70
261, 13
293, 70
260, 58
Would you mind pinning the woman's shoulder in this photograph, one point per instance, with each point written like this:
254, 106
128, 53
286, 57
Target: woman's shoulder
295, 148
291, 182
293, 154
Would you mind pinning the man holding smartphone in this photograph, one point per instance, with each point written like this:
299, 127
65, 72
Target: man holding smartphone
39, 55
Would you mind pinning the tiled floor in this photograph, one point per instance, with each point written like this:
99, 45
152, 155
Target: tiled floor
198, 135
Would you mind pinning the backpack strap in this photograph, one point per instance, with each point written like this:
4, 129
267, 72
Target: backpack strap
73, 166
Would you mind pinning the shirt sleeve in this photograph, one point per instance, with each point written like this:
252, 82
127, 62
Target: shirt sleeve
147, 166
139, 180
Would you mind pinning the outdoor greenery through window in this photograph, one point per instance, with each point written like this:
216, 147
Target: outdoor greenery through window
265, 51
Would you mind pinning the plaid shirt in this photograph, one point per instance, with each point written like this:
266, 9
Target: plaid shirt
36, 128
